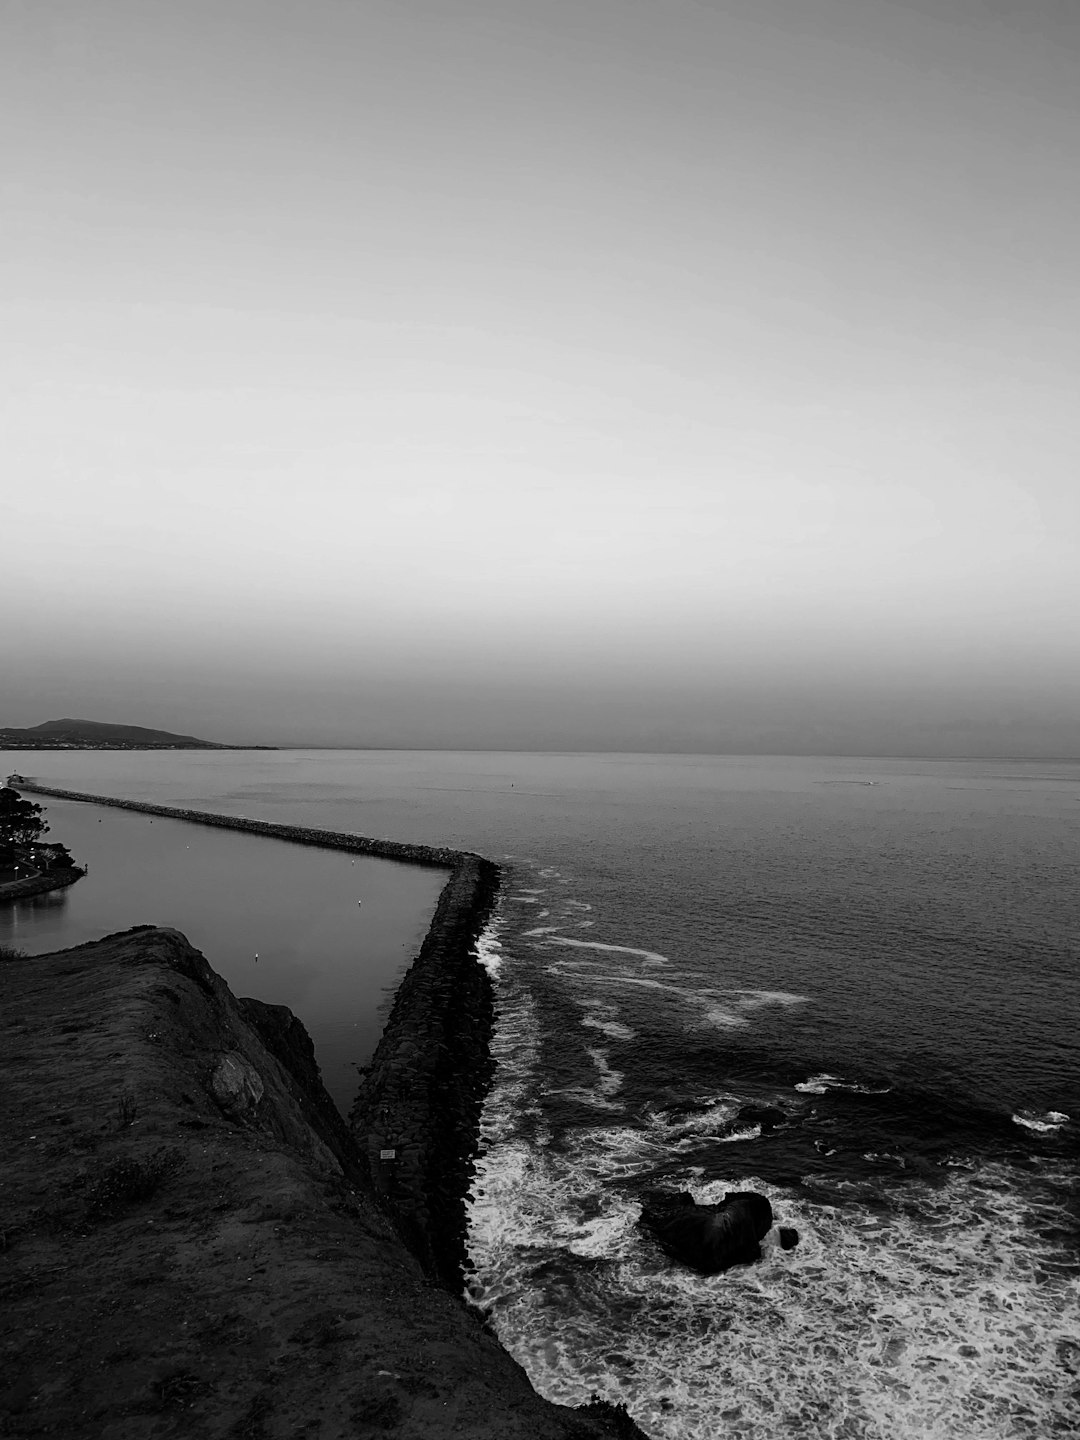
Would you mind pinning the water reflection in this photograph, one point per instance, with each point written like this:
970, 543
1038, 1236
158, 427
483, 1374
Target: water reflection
21, 910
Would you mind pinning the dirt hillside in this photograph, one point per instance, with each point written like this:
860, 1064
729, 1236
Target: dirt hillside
187, 1246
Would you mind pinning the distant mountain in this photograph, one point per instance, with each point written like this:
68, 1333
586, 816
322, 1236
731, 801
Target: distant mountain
97, 735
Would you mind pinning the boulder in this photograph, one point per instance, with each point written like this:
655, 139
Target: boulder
236, 1086
708, 1238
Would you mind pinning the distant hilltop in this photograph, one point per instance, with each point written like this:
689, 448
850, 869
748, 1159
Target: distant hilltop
98, 735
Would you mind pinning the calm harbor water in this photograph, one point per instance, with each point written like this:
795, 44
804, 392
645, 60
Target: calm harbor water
335, 962
886, 951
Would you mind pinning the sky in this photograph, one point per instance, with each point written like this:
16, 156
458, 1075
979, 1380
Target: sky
540, 375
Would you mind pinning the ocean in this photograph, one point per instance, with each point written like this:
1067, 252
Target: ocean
886, 951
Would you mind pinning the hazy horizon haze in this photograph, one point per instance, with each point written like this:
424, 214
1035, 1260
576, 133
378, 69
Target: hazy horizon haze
606, 375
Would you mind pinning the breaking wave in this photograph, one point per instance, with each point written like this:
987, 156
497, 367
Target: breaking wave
1049, 1122
913, 1307
821, 1084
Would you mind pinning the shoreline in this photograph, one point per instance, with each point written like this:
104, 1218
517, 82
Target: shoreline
421, 1094
402, 1162
39, 884
416, 1116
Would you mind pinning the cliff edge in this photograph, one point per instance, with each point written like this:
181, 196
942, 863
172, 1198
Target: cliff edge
189, 1243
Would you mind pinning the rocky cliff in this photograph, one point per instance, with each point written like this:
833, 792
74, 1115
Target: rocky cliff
189, 1243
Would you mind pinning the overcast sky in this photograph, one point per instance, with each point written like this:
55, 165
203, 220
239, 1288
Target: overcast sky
544, 375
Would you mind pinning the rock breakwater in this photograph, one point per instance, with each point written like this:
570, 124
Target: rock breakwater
415, 1121
416, 1117
297, 834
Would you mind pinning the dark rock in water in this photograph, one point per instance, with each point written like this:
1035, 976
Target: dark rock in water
708, 1238
767, 1116
615, 1418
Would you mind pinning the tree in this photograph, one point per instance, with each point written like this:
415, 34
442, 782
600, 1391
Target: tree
21, 821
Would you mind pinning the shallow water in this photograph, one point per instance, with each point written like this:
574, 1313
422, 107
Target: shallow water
887, 951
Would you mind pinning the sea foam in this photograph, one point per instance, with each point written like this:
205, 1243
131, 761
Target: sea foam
908, 1309
914, 1311
1047, 1122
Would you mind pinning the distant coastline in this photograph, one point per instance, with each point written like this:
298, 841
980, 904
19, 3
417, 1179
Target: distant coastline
7, 743
103, 735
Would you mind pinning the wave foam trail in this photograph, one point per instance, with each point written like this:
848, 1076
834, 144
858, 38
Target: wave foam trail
712, 1014
820, 1084
725, 1009
757, 999
613, 1029
1048, 1122
650, 957
713, 1121
610, 1080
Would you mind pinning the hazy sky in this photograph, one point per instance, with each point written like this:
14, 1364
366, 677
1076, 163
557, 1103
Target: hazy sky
653, 375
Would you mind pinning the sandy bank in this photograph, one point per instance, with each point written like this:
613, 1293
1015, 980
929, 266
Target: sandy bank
190, 1247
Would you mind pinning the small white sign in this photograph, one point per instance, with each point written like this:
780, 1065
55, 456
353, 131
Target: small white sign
387, 1154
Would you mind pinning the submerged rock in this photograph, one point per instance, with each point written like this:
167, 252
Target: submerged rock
767, 1116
